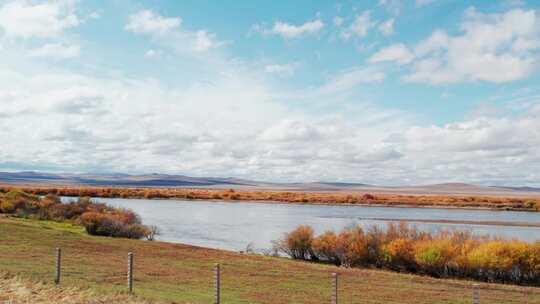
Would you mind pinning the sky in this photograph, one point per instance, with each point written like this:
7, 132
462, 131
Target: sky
387, 92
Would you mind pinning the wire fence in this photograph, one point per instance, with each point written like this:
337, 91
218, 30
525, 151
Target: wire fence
333, 285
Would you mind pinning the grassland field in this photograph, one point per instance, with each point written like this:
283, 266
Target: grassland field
176, 273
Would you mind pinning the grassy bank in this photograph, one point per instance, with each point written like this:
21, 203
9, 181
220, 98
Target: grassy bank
335, 198
183, 274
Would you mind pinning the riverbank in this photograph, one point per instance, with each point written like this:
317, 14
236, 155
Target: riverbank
183, 274
315, 198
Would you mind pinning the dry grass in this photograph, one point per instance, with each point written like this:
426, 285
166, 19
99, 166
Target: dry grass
183, 274
441, 201
16, 290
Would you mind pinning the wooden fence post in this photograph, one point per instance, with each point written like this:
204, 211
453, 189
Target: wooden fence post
217, 284
334, 297
130, 272
475, 294
58, 266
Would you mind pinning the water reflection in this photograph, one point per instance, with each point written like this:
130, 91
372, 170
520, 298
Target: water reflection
233, 225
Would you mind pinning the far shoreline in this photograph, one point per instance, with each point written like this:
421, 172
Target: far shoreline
353, 198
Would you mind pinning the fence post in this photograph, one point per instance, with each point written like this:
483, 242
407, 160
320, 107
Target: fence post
58, 266
217, 284
130, 272
334, 297
475, 294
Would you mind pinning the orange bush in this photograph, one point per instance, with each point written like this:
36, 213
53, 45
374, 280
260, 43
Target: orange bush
403, 248
324, 247
297, 243
352, 247
118, 224
400, 254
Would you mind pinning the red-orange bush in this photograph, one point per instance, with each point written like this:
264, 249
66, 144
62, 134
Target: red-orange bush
400, 254
324, 247
352, 247
97, 218
297, 243
121, 223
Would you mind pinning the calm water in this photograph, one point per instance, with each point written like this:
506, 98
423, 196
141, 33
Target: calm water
233, 225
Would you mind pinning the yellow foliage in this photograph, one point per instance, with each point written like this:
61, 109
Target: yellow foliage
498, 254
401, 250
434, 253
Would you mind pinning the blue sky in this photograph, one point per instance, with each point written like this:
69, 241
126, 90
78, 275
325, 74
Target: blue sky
386, 92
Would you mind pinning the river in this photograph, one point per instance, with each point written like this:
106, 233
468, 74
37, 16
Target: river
233, 225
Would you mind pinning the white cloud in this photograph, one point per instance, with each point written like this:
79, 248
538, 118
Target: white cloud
521, 44
205, 41
56, 50
259, 128
398, 53
387, 27
287, 30
360, 26
495, 150
148, 22
280, 69
393, 6
514, 3
151, 53
167, 32
26, 19
349, 79
292, 130
122, 124
437, 42
420, 3
492, 47
95, 15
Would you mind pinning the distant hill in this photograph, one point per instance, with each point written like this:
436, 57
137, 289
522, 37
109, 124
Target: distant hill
166, 180
150, 180
528, 189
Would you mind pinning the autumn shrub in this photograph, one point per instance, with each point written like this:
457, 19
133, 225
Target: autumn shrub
7, 206
352, 247
121, 223
297, 243
434, 256
530, 204
324, 247
401, 247
375, 242
97, 218
400, 254
506, 261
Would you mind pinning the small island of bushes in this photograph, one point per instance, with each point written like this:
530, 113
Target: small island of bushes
97, 218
